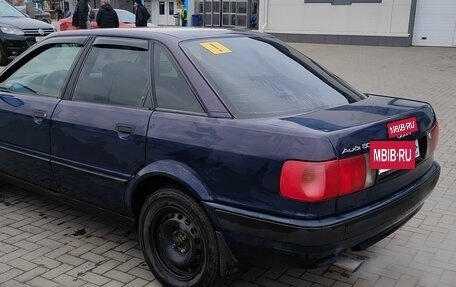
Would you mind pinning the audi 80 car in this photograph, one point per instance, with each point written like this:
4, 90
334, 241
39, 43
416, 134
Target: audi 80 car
218, 145
18, 32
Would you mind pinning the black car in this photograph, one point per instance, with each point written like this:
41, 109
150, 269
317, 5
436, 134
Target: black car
38, 14
18, 32
218, 145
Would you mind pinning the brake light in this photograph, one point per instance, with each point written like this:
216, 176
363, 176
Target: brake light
433, 138
316, 181
356, 174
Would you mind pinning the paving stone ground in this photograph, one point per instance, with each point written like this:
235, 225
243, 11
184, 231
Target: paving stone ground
44, 243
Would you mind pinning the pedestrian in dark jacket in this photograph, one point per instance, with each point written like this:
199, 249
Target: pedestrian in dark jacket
58, 12
142, 15
107, 16
80, 14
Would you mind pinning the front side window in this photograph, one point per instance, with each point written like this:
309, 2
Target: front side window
261, 77
171, 89
114, 75
44, 74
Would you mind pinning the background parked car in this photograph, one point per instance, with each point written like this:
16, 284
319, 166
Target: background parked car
126, 20
38, 15
18, 32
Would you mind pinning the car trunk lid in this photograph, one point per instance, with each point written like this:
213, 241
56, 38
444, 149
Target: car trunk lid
350, 128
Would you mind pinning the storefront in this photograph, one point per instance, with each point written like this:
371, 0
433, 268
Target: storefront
225, 13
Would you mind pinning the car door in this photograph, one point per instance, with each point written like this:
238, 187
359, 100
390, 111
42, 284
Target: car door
98, 136
28, 97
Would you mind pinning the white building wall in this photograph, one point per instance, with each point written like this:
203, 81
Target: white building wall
389, 18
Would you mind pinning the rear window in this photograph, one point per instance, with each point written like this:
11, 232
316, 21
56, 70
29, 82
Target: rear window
261, 77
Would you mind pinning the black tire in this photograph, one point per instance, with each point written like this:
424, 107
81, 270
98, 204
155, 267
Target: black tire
178, 240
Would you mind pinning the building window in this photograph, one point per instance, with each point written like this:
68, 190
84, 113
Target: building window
161, 8
171, 8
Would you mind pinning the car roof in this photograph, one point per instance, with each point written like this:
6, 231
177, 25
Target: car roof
174, 34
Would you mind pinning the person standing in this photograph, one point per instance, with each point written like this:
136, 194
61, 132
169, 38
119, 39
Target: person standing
107, 16
59, 13
184, 16
142, 15
80, 15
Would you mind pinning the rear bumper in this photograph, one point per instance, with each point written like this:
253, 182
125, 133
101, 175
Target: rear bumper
311, 243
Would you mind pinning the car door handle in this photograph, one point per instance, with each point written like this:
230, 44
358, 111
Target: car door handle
38, 116
124, 131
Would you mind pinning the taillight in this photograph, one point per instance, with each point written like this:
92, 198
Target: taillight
355, 174
316, 181
433, 138
310, 181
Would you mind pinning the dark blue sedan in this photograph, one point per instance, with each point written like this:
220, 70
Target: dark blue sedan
218, 145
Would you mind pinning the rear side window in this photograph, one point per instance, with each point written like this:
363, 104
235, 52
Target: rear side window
171, 89
257, 77
115, 76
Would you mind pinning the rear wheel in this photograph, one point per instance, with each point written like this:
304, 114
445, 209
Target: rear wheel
178, 240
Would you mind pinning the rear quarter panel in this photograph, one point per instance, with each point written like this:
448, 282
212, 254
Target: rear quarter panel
238, 160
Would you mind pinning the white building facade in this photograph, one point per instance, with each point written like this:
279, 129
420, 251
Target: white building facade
357, 22
361, 22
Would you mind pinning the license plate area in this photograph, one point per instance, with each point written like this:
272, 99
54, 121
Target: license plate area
419, 153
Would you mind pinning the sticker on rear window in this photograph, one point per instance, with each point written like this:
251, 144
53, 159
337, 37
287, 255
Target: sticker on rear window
216, 48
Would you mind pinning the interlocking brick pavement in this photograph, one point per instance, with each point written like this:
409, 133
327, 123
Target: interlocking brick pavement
41, 243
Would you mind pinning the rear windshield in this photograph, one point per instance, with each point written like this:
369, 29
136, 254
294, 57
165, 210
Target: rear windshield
262, 77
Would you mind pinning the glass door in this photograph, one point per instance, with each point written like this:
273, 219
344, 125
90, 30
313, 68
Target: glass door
226, 13
216, 13
208, 13
241, 14
162, 17
171, 20
166, 10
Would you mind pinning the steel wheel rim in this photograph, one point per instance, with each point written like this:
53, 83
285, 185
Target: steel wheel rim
178, 243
